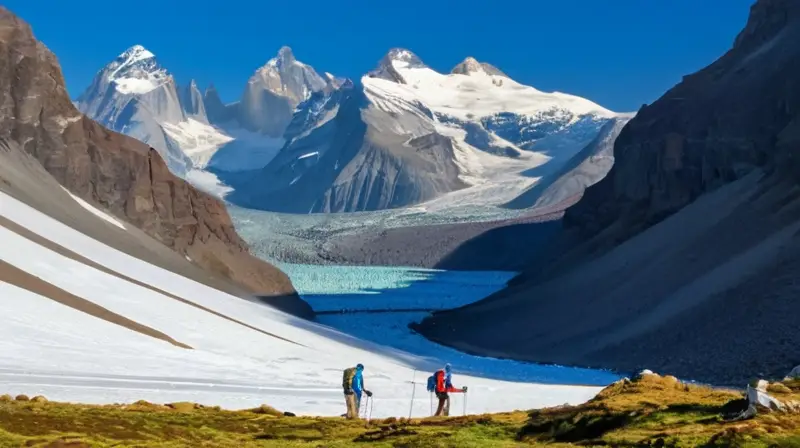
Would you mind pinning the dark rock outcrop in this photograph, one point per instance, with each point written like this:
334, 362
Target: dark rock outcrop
741, 112
118, 173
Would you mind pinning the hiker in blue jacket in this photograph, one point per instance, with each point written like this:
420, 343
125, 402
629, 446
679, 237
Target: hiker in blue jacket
353, 384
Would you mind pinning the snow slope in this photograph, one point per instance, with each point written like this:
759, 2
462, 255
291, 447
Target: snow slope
477, 93
242, 354
484, 101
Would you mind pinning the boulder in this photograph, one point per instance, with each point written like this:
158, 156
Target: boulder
758, 397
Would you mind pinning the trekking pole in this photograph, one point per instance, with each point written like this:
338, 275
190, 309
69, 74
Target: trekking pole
465, 403
371, 404
431, 396
413, 391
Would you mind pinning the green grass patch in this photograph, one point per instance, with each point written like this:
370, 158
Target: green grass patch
652, 411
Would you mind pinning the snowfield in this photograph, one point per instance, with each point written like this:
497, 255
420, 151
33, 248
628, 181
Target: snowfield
467, 96
241, 353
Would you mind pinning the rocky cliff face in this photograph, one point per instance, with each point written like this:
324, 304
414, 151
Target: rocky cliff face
193, 103
123, 175
741, 112
685, 257
273, 92
347, 156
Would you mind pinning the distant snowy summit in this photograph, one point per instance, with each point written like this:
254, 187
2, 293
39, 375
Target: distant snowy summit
482, 94
194, 129
134, 95
405, 134
298, 140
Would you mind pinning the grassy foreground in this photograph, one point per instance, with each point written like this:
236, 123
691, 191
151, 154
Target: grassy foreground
651, 411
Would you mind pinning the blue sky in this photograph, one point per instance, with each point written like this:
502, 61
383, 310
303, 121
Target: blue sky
619, 53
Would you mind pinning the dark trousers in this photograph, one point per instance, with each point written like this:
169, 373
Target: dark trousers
444, 404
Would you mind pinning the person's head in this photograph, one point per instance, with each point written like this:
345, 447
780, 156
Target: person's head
360, 367
448, 367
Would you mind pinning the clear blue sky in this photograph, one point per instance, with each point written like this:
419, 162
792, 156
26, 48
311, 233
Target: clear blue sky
619, 53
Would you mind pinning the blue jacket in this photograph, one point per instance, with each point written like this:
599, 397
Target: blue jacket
358, 383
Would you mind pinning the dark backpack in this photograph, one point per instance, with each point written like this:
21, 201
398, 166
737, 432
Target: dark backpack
432, 381
347, 378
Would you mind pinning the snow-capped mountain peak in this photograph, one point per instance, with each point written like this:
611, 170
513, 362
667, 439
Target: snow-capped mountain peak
136, 53
396, 59
471, 65
135, 95
135, 71
403, 57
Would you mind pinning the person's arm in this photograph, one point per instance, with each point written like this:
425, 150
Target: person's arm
364, 388
449, 386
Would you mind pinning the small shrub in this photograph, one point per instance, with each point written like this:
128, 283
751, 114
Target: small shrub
5, 398
22, 397
182, 406
778, 388
266, 410
39, 399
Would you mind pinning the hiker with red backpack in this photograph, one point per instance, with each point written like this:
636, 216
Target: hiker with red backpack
353, 385
441, 384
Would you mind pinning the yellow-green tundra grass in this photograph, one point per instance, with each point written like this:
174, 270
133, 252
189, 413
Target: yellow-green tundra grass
650, 411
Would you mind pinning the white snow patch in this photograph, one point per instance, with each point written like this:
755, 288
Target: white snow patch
95, 211
63, 122
135, 86
80, 358
208, 182
311, 154
480, 94
245, 151
139, 53
198, 140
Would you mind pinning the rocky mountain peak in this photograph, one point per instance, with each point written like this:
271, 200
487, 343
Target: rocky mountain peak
275, 90
403, 55
394, 59
467, 66
192, 102
471, 65
286, 55
283, 61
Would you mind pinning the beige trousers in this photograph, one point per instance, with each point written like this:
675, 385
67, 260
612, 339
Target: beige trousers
352, 406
